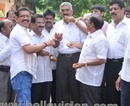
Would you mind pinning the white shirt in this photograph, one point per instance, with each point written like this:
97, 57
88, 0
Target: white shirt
71, 33
117, 38
95, 47
43, 71
20, 60
125, 71
53, 51
4, 50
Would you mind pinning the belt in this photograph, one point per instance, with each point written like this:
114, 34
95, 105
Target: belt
4, 68
115, 60
69, 54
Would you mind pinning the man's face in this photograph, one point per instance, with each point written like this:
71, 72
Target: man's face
116, 12
39, 25
96, 11
66, 11
49, 21
87, 22
8, 27
127, 14
24, 18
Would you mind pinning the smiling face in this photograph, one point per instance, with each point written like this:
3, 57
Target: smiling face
66, 10
24, 18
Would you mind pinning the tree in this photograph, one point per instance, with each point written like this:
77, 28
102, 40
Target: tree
80, 6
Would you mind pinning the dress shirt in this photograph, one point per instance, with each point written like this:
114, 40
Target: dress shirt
20, 60
4, 50
53, 51
43, 71
71, 33
104, 27
125, 71
95, 47
117, 38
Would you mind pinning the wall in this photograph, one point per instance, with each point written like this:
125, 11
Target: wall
6, 5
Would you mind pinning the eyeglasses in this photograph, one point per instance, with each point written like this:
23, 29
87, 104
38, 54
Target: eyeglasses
23, 16
40, 22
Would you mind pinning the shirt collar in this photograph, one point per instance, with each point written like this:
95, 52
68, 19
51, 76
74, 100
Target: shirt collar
96, 33
4, 37
22, 27
34, 34
124, 21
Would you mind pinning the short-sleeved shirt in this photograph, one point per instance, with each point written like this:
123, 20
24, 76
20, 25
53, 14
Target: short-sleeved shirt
20, 60
71, 33
95, 47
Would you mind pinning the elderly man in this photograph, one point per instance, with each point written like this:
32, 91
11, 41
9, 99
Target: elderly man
5, 86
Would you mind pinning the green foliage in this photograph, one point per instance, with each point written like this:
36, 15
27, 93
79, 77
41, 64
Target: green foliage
80, 7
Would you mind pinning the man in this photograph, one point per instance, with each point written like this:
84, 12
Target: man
12, 16
116, 34
99, 9
69, 50
90, 67
127, 12
5, 85
41, 87
23, 57
123, 81
49, 17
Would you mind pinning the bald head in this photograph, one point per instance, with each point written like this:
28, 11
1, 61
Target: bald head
97, 20
6, 27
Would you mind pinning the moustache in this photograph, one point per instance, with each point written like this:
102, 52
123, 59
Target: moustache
48, 22
41, 26
25, 20
113, 14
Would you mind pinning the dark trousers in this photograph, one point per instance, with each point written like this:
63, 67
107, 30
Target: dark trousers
40, 92
6, 93
67, 89
112, 69
125, 93
53, 88
89, 95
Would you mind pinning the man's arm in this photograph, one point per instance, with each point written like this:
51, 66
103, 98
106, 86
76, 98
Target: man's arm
80, 24
28, 48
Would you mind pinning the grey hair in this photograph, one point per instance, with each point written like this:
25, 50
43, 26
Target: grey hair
66, 3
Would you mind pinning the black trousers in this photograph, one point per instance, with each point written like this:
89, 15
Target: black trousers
40, 92
6, 92
53, 88
89, 95
112, 69
67, 89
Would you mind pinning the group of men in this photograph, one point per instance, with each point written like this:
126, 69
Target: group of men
87, 56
